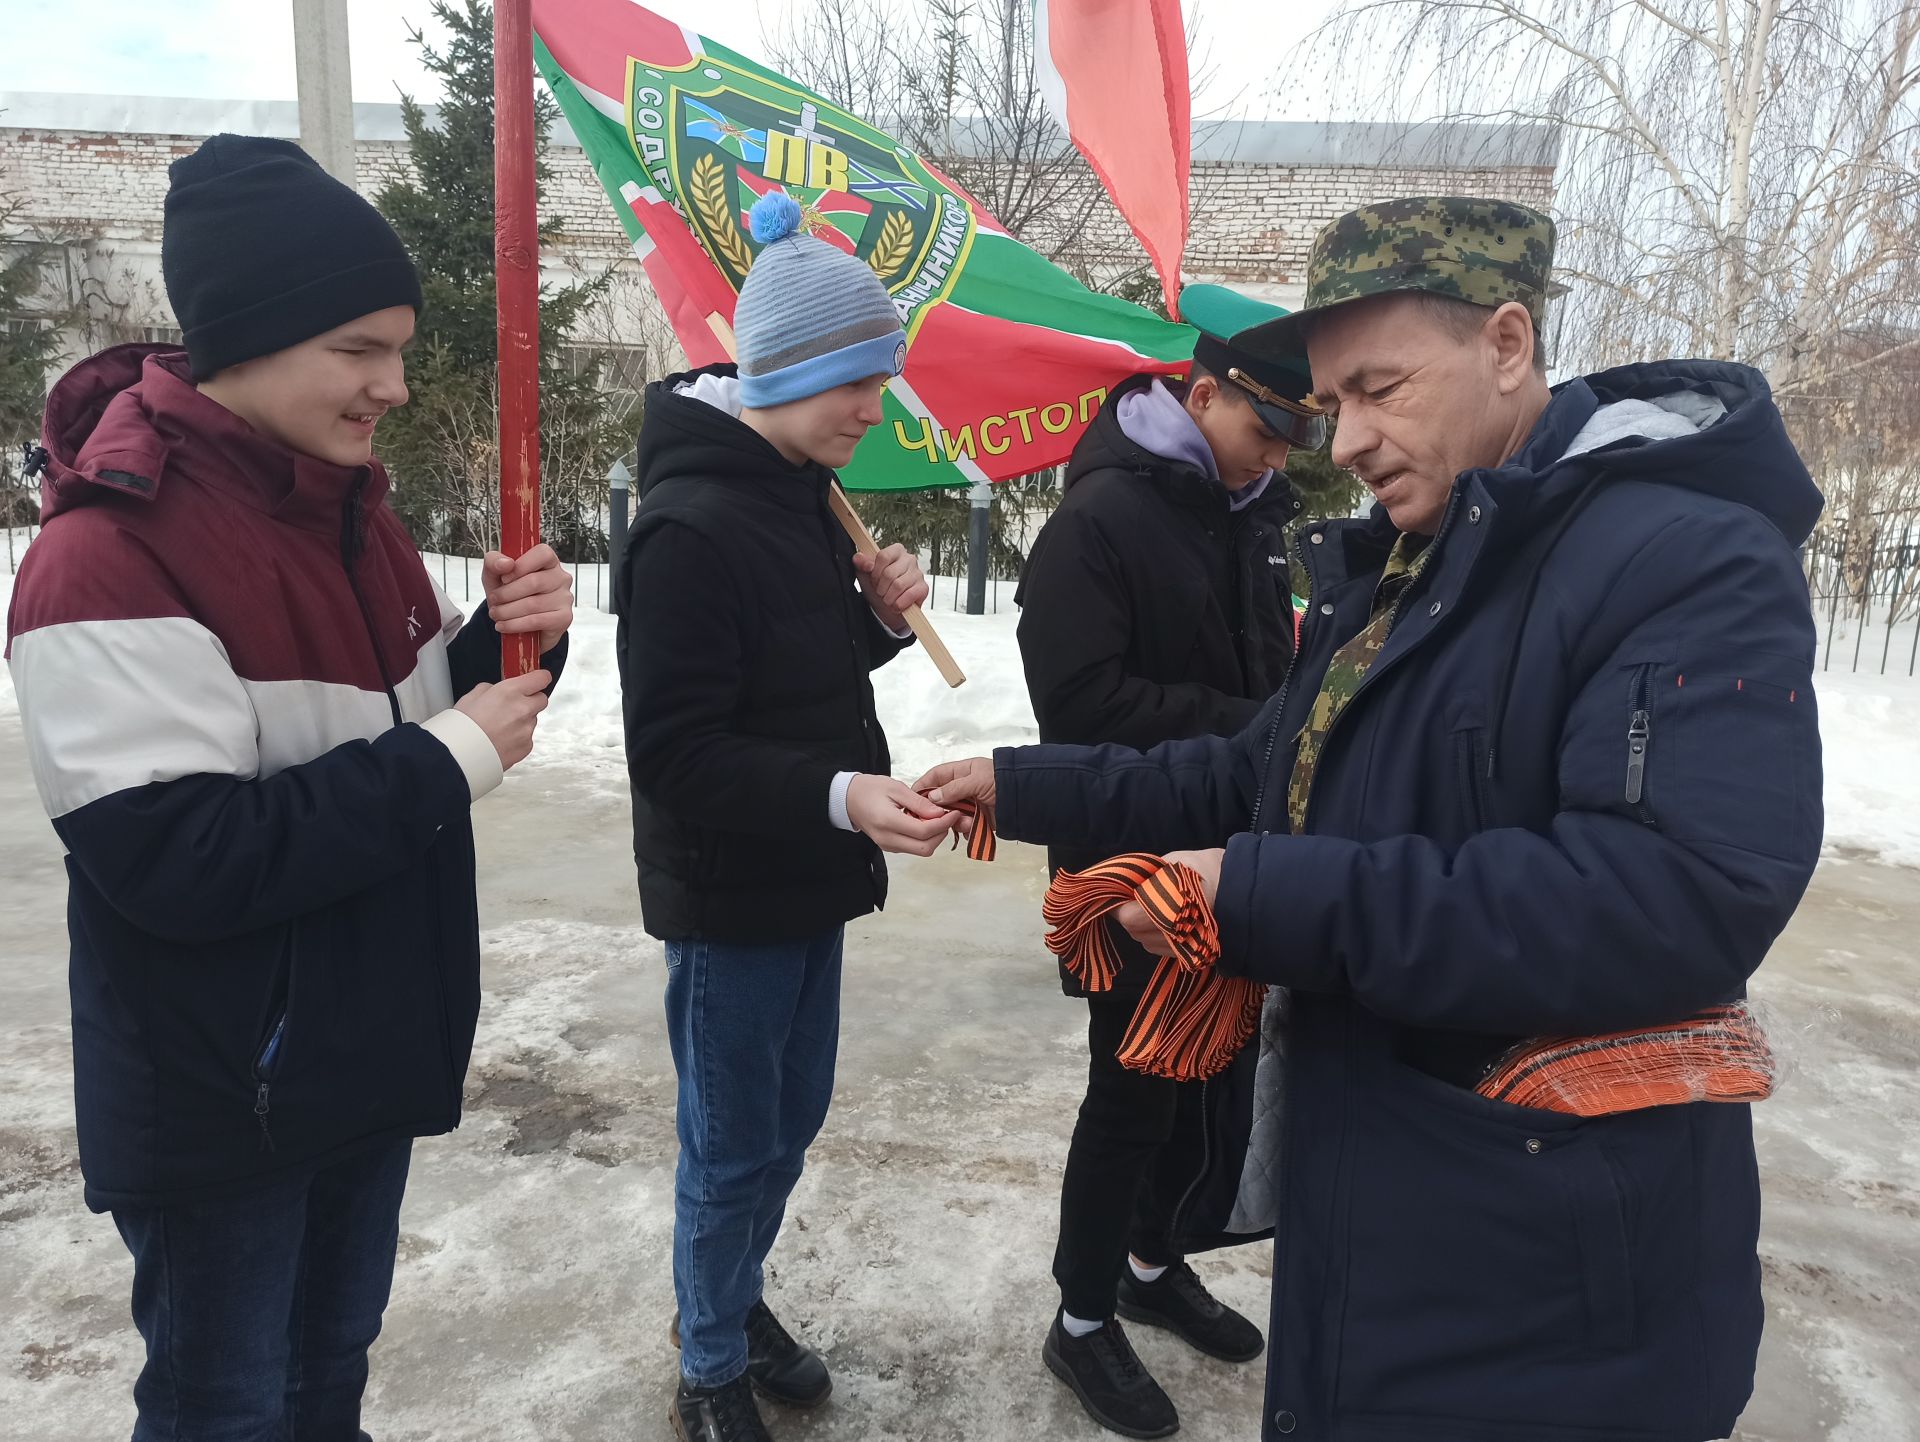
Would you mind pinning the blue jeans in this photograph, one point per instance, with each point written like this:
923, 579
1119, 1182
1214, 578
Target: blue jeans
258, 1310
754, 1031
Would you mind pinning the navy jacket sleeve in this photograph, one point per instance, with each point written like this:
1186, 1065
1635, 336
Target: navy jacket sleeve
1180, 796
473, 655
681, 669
1076, 618
1614, 916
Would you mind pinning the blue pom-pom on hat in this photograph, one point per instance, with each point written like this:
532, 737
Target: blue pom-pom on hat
775, 216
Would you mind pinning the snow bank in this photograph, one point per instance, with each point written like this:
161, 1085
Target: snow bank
1870, 724
1870, 732
926, 720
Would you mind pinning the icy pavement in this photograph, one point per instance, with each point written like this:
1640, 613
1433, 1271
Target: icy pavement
532, 1293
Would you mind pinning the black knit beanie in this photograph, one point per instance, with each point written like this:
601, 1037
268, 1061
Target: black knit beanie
263, 249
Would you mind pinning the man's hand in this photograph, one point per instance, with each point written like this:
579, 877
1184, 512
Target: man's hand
507, 712
952, 782
892, 582
1133, 916
534, 593
896, 818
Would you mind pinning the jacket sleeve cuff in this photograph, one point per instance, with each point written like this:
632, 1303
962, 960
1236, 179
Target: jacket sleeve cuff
471, 747
1233, 905
1275, 904
837, 800
1006, 794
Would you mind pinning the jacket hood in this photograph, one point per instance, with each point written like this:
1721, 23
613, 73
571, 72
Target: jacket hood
128, 421
1106, 446
1716, 430
691, 429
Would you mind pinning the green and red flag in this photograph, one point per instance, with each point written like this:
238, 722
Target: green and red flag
1009, 356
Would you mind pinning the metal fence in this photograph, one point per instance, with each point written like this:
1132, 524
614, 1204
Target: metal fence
1864, 580
1865, 584
19, 506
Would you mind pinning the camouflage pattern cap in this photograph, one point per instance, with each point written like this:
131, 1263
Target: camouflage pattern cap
1485, 251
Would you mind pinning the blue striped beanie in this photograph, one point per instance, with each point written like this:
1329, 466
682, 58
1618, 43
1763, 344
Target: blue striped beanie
810, 317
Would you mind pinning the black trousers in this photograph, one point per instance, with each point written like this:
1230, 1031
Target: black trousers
1125, 1173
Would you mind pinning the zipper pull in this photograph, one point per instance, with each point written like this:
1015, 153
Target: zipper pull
351, 517
260, 1111
1639, 733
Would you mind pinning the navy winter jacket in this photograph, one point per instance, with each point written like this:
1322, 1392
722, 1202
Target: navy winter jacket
1485, 859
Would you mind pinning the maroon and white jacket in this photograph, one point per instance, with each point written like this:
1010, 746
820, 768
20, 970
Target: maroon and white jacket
236, 679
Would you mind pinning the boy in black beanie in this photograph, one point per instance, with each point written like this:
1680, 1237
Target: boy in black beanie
237, 684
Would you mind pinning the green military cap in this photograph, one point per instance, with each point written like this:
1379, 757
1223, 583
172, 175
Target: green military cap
1485, 251
1279, 388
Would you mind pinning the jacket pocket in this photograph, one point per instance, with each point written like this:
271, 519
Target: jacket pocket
1600, 1221
1484, 1241
271, 1050
1470, 766
1738, 755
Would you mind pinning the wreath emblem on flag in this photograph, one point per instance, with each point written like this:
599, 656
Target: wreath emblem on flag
716, 138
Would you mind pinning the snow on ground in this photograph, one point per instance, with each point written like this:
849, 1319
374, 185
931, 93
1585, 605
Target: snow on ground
531, 1295
1870, 734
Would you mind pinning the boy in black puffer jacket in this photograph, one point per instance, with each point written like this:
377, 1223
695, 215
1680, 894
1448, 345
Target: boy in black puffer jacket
1156, 607
761, 793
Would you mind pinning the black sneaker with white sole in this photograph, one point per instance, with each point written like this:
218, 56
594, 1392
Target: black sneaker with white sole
1117, 1391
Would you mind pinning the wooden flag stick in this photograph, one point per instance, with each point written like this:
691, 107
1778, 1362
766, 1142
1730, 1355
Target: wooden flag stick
863, 542
915, 618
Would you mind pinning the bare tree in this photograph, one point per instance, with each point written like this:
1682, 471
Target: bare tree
1739, 177
955, 81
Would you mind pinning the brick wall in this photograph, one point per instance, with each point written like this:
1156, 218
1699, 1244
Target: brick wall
1252, 223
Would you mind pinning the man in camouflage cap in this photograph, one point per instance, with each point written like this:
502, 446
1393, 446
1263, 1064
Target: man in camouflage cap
1546, 765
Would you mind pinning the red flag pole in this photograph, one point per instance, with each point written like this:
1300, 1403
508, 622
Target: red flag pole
516, 255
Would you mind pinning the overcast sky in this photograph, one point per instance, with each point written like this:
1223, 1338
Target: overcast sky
243, 49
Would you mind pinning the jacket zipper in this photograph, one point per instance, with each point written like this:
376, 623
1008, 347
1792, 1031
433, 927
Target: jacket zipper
352, 524
852, 602
446, 1022
350, 528
262, 1066
269, 1051
1473, 777
1273, 727
850, 611
1639, 740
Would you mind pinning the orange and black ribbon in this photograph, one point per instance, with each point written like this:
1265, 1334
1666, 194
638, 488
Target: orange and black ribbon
1192, 1019
982, 845
1721, 1055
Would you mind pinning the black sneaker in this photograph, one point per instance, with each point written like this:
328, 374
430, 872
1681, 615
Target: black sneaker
1117, 1391
1180, 1302
717, 1414
778, 1366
